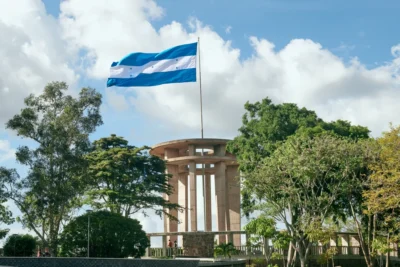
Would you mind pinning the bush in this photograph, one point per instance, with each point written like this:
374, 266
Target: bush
19, 246
111, 236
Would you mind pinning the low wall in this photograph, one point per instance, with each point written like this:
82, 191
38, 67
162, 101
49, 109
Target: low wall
92, 262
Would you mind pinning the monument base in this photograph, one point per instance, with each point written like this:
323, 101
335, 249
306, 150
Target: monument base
198, 244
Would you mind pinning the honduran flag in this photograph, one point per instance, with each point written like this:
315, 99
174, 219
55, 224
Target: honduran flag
174, 65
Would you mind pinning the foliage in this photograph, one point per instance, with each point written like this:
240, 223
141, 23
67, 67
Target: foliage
262, 229
377, 211
224, 249
19, 246
282, 240
6, 178
111, 236
327, 256
125, 180
305, 181
60, 126
383, 196
266, 125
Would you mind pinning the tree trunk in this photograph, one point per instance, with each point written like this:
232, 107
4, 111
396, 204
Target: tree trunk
387, 254
289, 256
267, 252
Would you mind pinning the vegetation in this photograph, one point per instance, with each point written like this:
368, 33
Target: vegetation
59, 125
297, 169
262, 229
111, 236
124, 179
5, 214
225, 249
19, 246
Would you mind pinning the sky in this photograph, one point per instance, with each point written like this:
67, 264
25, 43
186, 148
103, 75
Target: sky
339, 58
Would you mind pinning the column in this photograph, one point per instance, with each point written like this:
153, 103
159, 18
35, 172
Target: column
220, 199
232, 177
164, 245
183, 202
248, 246
345, 244
355, 245
193, 196
172, 225
148, 249
208, 226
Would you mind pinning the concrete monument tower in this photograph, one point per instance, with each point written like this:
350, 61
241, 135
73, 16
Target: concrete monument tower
191, 159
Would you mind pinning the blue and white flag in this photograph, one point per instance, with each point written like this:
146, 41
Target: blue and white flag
174, 65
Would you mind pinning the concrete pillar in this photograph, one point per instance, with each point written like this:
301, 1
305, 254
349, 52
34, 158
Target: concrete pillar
248, 246
148, 249
164, 244
333, 242
345, 244
232, 177
193, 196
220, 150
208, 214
355, 248
220, 199
230, 238
183, 202
172, 225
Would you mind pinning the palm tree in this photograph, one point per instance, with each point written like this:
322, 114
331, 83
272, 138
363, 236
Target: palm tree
224, 249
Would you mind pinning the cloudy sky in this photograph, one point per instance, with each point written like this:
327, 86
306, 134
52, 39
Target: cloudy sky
339, 58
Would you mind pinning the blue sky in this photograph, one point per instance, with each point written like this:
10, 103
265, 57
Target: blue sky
365, 29
339, 58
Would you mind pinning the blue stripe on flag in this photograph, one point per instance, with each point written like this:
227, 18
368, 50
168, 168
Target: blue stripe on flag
139, 59
157, 78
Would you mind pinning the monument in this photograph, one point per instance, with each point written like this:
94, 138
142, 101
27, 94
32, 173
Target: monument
188, 160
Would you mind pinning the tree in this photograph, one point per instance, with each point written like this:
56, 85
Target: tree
59, 125
5, 214
19, 246
281, 242
264, 229
125, 180
382, 197
224, 249
304, 182
111, 236
266, 125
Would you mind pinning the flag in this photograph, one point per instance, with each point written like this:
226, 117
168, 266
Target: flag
174, 65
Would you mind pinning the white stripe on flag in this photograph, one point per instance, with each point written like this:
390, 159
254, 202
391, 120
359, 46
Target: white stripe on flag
180, 63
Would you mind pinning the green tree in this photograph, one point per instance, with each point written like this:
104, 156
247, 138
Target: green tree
20, 246
304, 182
224, 249
280, 243
125, 180
266, 125
59, 125
381, 198
262, 229
6, 178
111, 236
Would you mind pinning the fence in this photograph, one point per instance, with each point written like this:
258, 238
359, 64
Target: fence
254, 251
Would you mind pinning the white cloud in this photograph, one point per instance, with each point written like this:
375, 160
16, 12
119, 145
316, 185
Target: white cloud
6, 151
39, 48
115, 100
302, 72
32, 53
228, 29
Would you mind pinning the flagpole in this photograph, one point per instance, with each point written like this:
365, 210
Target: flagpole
202, 136
201, 94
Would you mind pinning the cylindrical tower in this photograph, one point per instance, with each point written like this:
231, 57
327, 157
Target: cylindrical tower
188, 158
